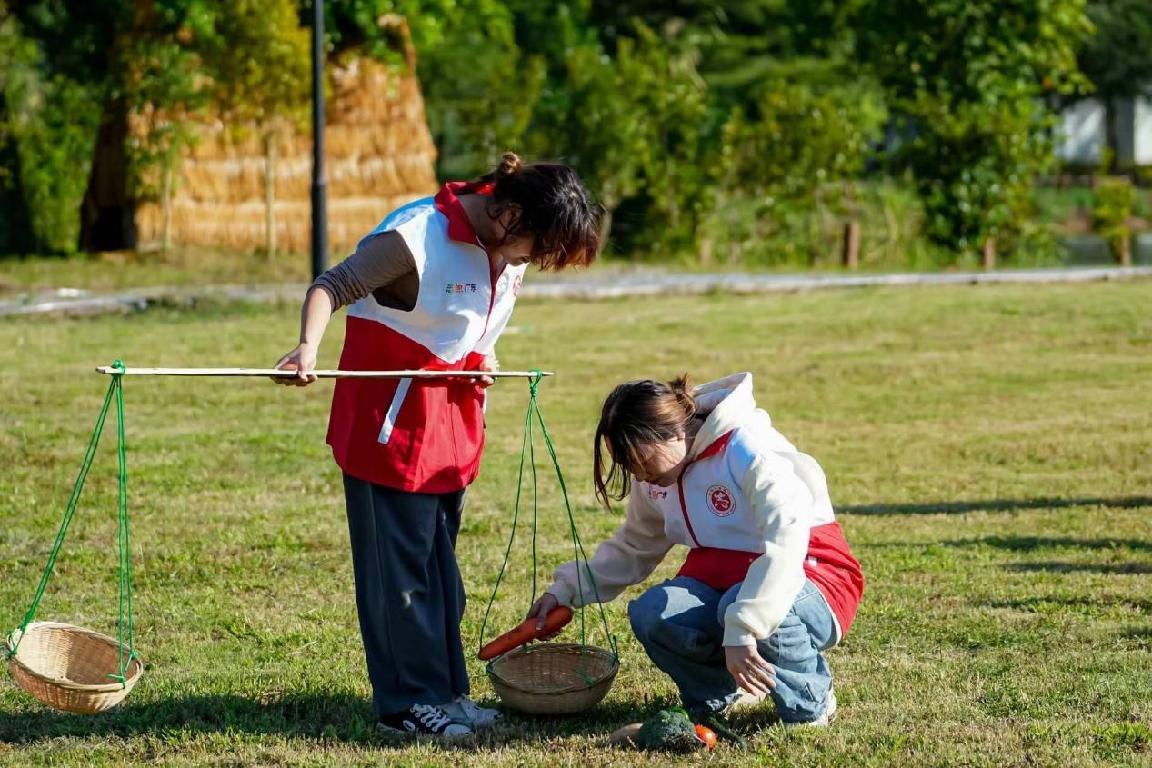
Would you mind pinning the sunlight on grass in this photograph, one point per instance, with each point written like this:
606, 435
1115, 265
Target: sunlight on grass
988, 448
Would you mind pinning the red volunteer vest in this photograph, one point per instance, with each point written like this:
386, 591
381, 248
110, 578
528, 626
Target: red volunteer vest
829, 565
423, 436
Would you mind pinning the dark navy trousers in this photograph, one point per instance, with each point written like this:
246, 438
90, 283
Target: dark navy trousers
409, 594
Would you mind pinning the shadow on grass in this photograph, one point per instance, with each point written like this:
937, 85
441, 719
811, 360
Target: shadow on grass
1092, 604
991, 505
342, 717
1053, 567
1032, 543
1141, 635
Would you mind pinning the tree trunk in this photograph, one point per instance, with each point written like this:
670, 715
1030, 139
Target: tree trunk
270, 194
990, 254
1124, 249
1111, 134
166, 208
605, 225
108, 212
850, 257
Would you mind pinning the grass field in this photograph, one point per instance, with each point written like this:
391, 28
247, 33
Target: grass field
989, 451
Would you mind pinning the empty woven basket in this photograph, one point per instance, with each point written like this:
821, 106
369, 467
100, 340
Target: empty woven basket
553, 678
68, 667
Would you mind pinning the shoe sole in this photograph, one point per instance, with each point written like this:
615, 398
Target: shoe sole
389, 733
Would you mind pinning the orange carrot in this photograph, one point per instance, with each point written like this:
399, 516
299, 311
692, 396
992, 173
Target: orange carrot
556, 620
526, 633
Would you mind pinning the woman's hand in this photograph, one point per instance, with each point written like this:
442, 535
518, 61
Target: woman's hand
301, 359
540, 609
749, 669
489, 363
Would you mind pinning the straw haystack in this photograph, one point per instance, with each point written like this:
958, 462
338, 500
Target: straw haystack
378, 154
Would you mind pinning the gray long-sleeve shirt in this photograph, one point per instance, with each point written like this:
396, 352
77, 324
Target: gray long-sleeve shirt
381, 266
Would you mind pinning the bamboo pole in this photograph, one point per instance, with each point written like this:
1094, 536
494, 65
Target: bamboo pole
320, 374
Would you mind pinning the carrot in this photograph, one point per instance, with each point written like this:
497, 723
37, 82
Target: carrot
526, 633
706, 735
556, 620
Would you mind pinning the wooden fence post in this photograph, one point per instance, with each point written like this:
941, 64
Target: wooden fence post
850, 256
990, 254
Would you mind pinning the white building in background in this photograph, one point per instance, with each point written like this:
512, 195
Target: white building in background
1081, 132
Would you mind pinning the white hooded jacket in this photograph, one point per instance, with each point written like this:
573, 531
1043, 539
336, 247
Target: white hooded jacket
745, 493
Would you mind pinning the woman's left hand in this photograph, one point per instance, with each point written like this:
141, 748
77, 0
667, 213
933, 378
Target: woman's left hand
749, 669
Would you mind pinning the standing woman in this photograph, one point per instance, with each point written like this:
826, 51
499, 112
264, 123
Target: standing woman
432, 287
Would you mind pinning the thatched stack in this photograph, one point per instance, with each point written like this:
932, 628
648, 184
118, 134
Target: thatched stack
379, 154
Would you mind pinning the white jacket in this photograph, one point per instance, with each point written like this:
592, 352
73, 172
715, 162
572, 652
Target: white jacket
746, 490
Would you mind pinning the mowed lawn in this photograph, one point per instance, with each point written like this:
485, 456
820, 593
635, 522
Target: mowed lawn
989, 451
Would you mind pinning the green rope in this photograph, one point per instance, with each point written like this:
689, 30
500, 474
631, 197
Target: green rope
577, 545
528, 451
115, 390
515, 522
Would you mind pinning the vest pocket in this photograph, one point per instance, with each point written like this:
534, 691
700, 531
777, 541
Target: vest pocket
393, 411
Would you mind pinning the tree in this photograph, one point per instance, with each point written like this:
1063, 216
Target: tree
479, 86
125, 56
629, 123
968, 79
1116, 58
45, 137
263, 73
791, 154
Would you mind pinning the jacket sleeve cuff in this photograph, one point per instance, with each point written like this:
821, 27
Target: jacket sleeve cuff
562, 593
738, 636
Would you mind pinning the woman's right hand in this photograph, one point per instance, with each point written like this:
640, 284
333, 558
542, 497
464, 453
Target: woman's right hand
301, 359
540, 609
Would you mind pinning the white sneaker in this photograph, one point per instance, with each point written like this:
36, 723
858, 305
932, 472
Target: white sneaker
464, 710
423, 720
826, 717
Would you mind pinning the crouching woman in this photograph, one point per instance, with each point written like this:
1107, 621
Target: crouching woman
769, 583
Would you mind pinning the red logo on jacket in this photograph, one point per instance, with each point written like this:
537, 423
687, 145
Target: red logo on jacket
720, 501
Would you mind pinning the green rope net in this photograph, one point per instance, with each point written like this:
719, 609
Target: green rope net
534, 417
127, 633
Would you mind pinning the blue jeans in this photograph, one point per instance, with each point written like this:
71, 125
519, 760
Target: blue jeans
680, 623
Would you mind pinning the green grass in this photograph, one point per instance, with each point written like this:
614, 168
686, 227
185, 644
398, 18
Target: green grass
131, 269
988, 448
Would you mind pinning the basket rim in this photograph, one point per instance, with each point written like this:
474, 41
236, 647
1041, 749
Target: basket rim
525, 650
135, 667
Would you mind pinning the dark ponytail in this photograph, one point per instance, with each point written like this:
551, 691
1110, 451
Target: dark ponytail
550, 203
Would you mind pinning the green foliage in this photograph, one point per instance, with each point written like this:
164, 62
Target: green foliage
969, 80
788, 156
48, 125
1115, 203
669, 730
738, 130
660, 133
261, 67
159, 82
1115, 59
1120, 738
479, 87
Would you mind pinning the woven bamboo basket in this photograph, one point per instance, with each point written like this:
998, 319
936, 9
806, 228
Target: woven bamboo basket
67, 667
553, 678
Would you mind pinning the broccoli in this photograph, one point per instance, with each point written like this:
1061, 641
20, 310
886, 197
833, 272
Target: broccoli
669, 730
